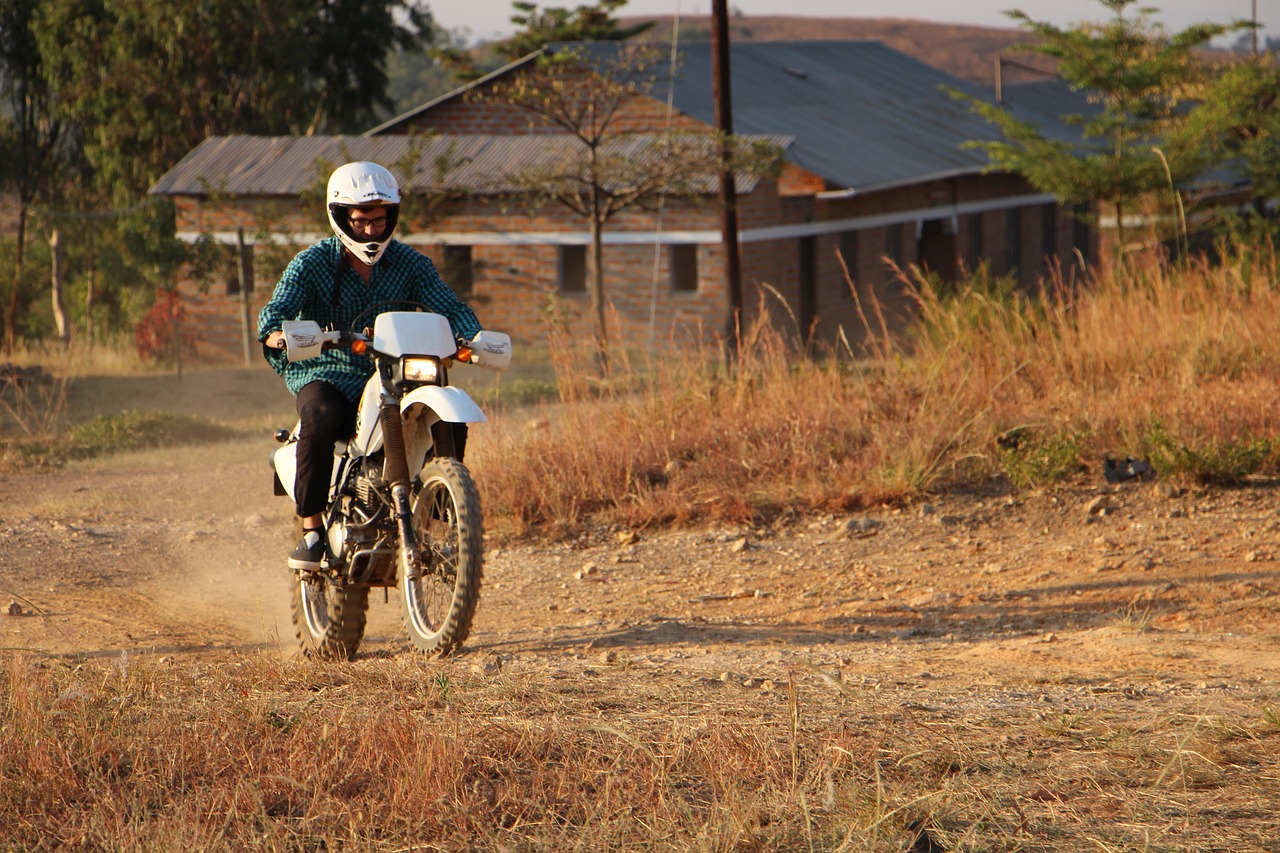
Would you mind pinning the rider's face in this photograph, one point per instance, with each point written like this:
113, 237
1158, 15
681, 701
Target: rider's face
370, 221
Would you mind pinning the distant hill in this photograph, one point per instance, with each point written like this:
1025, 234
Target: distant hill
968, 52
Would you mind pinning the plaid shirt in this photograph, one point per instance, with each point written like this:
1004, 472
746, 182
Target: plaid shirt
306, 292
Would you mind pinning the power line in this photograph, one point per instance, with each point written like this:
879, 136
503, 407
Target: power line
662, 196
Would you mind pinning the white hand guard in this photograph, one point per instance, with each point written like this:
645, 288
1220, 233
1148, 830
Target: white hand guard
304, 339
491, 350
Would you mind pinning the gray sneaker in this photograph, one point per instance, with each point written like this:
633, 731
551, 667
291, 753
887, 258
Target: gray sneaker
308, 557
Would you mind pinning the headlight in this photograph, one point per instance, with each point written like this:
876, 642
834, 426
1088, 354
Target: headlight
421, 370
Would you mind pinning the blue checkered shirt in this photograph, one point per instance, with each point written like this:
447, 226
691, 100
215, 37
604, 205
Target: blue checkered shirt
306, 292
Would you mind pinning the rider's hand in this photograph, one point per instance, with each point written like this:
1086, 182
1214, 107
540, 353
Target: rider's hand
275, 340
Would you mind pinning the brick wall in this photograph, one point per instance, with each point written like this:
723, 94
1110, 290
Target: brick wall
515, 285
480, 111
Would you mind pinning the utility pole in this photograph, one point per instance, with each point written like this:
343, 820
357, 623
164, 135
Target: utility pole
1254, 31
728, 191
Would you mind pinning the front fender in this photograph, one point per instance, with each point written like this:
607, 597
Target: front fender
449, 403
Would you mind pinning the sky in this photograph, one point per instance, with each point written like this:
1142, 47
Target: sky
491, 18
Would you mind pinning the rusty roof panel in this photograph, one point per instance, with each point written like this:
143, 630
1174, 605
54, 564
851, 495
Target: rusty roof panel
288, 165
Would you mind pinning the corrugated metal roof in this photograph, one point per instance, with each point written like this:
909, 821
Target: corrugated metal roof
1044, 103
864, 116
857, 113
288, 165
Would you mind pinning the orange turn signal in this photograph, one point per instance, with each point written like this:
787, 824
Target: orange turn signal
359, 347
463, 355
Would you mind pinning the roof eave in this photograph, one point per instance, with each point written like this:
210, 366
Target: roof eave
449, 96
850, 192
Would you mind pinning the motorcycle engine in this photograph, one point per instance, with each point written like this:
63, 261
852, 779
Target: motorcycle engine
365, 492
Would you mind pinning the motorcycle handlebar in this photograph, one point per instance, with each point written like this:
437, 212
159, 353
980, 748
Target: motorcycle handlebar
345, 339
361, 344
305, 339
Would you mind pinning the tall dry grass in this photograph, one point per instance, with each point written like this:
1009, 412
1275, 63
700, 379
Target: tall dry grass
116, 356
405, 754
391, 755
1176, 365
34, 380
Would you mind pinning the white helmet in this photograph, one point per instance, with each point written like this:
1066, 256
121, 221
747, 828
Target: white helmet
356, 186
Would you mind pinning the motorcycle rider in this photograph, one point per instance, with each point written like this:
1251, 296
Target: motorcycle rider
331, 282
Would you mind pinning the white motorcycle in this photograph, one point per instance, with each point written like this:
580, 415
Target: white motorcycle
403, 510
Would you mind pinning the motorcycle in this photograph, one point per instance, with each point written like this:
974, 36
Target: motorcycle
403, 510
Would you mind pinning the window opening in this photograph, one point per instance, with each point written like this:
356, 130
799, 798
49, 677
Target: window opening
683, 260
459, 271
573, 269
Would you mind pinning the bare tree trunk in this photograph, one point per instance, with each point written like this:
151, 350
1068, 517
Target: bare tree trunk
723, 96
88, 296
55, 281
175, 307
596, 273
11, 316
247, 329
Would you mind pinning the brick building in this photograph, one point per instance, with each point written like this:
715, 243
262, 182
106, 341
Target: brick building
876, 174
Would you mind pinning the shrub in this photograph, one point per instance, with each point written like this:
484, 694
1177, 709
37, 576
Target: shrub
1209, 460
1035, 456
157, 335
105, 435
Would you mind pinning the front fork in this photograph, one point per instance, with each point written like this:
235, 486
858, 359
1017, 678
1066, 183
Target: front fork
410, 566
396, 472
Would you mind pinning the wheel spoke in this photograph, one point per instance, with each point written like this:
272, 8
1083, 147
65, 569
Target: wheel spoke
439, 604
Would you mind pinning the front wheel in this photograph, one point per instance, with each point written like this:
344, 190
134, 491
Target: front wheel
328, 619
440, 603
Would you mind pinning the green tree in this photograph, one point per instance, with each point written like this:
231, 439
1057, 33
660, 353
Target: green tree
539, 28
585, 97
348, 45
1142, 82
1240, 117
417, 77
31, 137
120, 90
154, 79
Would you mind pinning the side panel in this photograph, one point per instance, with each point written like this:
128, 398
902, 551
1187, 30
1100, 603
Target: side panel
285, 460
368, 432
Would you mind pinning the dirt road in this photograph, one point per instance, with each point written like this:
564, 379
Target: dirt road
180, 552
1108, 657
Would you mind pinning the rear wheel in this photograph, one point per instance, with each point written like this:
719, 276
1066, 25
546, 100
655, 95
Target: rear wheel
441, 602
328, 619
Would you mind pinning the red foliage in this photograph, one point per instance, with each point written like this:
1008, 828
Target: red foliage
156, 335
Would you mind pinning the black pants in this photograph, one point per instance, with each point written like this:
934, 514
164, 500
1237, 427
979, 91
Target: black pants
327, 417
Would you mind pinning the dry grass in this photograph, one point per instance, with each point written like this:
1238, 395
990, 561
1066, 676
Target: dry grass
1175, 366
36, 380
568, 753
406, 754
116, 357
57, 405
